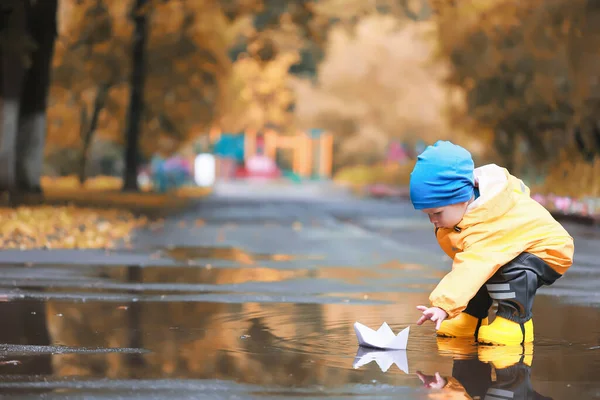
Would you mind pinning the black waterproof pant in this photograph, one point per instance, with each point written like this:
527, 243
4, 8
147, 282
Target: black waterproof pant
513, 382
513, 286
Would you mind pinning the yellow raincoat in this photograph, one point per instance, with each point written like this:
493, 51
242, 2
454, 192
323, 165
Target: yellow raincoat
501, 224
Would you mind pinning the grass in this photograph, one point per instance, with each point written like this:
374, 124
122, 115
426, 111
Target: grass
106, 191
359, 176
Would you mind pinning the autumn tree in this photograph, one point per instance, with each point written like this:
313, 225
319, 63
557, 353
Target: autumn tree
289, 38
136, 97
90, 78
214, 62
188, 68
583, 55
282, 38
522, 70
26, 47
185, 66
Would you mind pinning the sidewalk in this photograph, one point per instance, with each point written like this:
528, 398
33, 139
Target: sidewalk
280, 189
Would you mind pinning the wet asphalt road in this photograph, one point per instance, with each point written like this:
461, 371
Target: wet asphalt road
251, 294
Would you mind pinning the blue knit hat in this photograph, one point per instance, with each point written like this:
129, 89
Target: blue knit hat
443, 175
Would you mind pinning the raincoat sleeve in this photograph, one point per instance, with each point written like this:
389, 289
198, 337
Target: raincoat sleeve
471, 269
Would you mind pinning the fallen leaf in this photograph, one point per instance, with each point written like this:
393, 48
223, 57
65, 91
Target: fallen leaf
66, 227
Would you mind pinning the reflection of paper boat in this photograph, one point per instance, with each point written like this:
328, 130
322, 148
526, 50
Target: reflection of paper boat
384, 359
383, 338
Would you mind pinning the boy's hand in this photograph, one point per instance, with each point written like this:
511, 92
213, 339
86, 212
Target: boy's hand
432, 381
435, 314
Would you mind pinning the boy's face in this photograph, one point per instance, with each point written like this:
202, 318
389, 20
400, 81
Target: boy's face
447, 216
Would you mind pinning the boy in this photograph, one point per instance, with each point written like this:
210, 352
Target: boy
504, 246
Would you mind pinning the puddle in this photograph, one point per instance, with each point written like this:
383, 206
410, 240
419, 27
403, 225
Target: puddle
230, 254
214, 283
252, 329
282, 350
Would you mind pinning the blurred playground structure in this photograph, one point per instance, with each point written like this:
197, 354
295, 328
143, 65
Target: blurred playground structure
262, 155
269, 154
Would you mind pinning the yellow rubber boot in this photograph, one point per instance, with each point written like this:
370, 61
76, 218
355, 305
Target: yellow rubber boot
461, 326
457, 348
505, 332
506, 356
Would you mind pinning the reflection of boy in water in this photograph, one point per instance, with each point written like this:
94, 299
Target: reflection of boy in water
473, 377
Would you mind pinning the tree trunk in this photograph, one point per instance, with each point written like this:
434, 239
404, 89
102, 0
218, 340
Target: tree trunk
136, 102
88, 130
41, 20
84, 131
12, 70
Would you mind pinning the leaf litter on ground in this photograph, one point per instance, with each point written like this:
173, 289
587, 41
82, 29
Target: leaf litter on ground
66, 227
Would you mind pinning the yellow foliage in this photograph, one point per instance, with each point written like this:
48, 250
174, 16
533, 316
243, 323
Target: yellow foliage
188, 69
192, 192
65, 227
258, 93
572, 176
522, 68
92, 50
167, 18
70, 184
60, 183
187, 65
389, 174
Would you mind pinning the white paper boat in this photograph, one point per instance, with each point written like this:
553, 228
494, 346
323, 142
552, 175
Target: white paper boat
383, 338
384, 359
